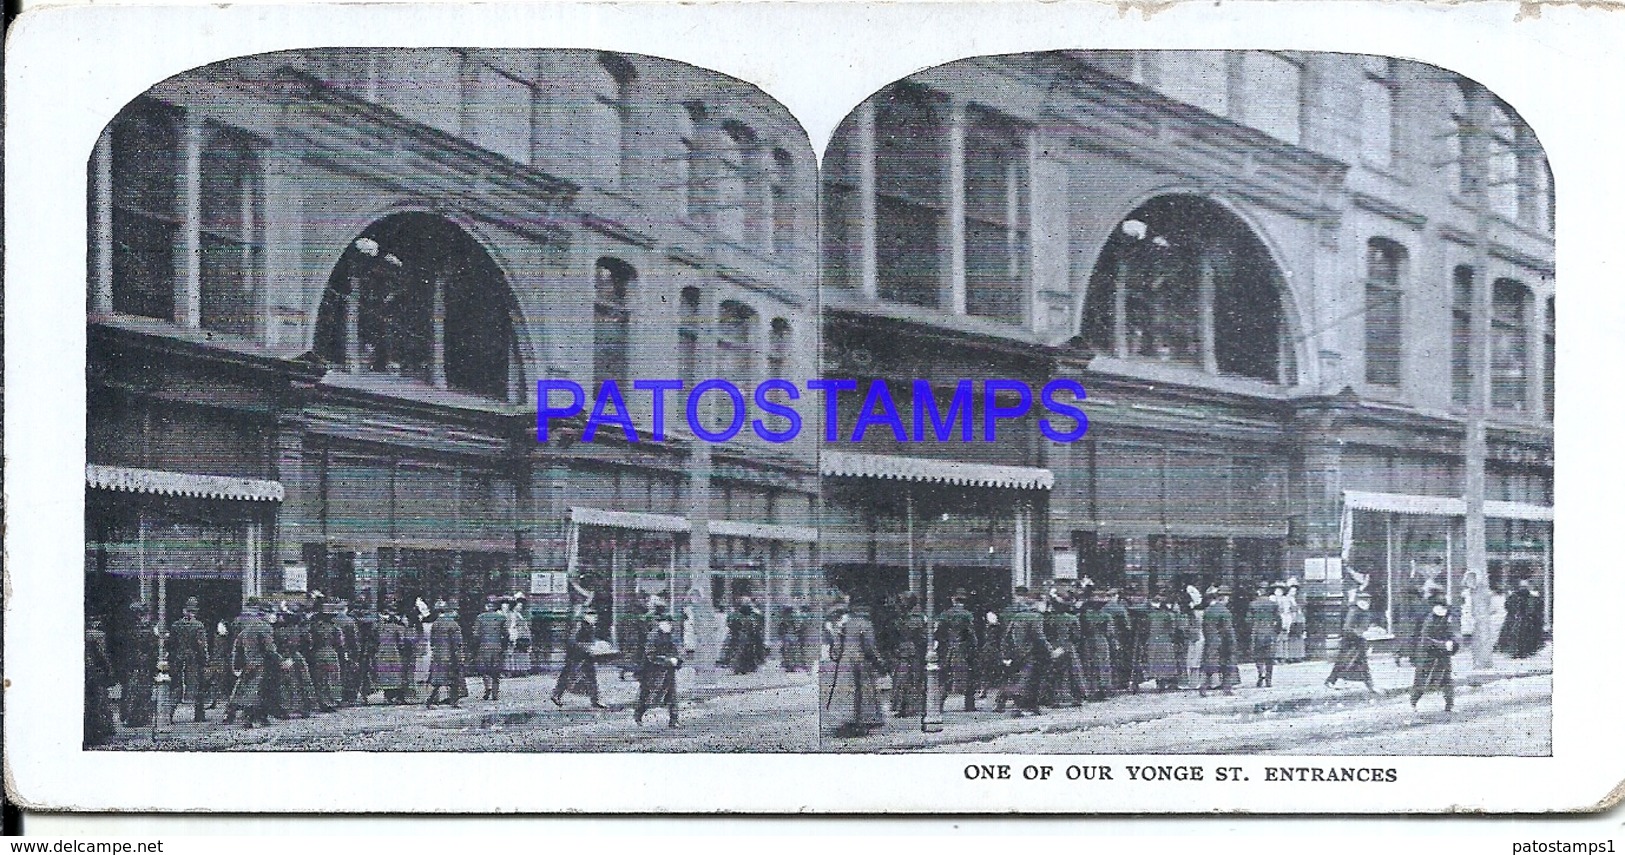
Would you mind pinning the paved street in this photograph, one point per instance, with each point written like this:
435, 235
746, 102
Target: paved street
1504, 711
766, 711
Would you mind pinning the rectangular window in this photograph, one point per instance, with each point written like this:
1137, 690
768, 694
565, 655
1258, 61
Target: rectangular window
1551, 358
1274, 102
1461, 337
1384, 312
232, 237
996, 213
1501, 168
612, 321
1377, 95
911, 161
1509, 378
147, 218
688, 337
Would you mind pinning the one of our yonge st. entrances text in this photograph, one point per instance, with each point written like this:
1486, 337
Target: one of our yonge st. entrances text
971, 413
1183, 772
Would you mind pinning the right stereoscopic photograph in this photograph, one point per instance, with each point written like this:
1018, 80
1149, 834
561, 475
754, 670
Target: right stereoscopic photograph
1304, 505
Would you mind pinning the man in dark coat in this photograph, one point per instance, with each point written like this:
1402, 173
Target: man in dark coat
349, 652
1095, 653
580, 673
1025, 658
446, 657
1433, 648
135, 650
1139, 628
367, 622
746, 646
189, 656
1219, 669
1064, 632
254, 657
98, 678
1353, 649
326, 663
858, 665
1263, 626
1122, 639
956, 653
490, 647
908, 661
295, 689
394, 652
657, 673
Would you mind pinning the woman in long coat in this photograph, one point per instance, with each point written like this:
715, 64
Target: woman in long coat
1063, 630
295, 693
908, 662
1523, 633
446, 658
391, 667
1164, 659
858, 665
1095, 655
657, 673
253, 655
580, 673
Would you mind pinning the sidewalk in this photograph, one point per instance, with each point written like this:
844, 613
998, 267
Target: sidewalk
522, 699
1297, 686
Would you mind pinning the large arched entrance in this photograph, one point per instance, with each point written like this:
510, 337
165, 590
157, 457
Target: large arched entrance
1183, 280
414, 296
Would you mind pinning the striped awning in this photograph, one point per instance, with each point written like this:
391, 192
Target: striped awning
851, 464
628, 519
764, 531
1442, 506
161, 483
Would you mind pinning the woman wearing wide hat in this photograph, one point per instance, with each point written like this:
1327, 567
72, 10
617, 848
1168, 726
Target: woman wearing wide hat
445, 657
580, 673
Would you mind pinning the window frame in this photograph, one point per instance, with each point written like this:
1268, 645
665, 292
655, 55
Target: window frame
1378, 352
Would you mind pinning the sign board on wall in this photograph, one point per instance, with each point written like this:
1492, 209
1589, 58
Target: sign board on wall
1065, 564
295, 578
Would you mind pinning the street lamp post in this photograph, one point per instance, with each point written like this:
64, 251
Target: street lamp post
931, 715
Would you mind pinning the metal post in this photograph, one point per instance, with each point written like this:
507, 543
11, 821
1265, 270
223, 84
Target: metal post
931, 714
1474, 155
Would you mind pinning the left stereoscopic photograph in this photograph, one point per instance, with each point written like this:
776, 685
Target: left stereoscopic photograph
322, 287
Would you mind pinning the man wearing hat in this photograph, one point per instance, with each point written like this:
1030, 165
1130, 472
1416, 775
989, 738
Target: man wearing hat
908, 661
253, 657
1219, 670
1263, 629
580, 674
368, 622
1096, 652
1025, 658
956, 646
349, 651
490, 647
1063, 630
1353, 649
188, 655
445, 657
1435, 645
136, 651
657, 672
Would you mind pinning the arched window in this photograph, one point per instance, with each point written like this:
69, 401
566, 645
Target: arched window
415, 297
1384, 311
687, 160
1182, 280
1501, 170
608, 113
611, 321
736, 355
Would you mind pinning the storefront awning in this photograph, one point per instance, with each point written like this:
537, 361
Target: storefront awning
851, 464
1402, 503
128, 480
1443, 506
764, 531
628, 519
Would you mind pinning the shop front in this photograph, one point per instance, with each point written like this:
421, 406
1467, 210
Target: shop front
160, 538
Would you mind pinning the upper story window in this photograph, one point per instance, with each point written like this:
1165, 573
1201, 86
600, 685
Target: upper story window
609, 110
148, 217
1461, 336
1182, 280
688, 161
1509, 346
177, 210
1379, 89
779, 348
1501, 162
996, 211
781, 234
911, 199
1550, 365
1384, 312
611, 320
416, 297
231, 238
689, 323
1460, 173
735, 147
736, 354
